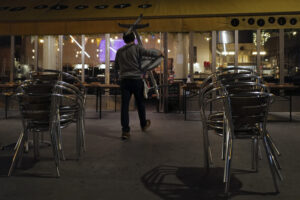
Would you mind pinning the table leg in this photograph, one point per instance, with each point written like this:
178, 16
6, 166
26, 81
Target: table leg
6, 106
100, 103
184, 104
115, 91
97, 96
291, 108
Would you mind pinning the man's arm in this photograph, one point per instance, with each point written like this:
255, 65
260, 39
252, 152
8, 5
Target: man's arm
150, 52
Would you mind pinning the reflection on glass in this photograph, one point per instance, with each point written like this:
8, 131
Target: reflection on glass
247, 49
270, 55
202, 55
225, 49
292, 55
4, 58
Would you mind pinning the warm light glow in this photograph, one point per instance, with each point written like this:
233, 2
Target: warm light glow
169, 50
57, 49
111, 39
79, 46
261, 53
33, 50
33, 57
92, 40
97, 56
158, 41
97, 50
225, 53
72, 41
116, 37
294, 33
146, 40
41, 40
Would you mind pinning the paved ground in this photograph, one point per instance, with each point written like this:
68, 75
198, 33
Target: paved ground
164, 163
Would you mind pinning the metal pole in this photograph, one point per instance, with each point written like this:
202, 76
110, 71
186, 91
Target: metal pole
36, 48
236, 47
191, 53
258, 58
165, 74
214, 49
281, 55
60, 47
82, 57
107, 58
12, 58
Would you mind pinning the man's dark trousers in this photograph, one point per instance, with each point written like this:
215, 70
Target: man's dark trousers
129, 87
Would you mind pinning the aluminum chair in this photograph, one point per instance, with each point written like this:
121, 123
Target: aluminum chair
244, 116
35, 108
68, 107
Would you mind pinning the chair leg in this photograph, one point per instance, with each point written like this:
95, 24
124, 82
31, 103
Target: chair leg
255, 154
53, 136
272, 144
59, 142
224, 142
19, 147
206, 149
78, 139
271, 163
36, 145
83, 134
228, 157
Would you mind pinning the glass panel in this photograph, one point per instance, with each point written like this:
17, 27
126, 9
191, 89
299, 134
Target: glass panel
270, 55
247, 49
292, 55
4, 58
48, 52
72, 56
178, 51
25, 56
203, 57
225, 49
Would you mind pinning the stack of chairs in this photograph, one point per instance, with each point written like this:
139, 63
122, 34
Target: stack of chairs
241, 103
48, 104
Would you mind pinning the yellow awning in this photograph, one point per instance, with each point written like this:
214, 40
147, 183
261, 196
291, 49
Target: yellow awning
102, 16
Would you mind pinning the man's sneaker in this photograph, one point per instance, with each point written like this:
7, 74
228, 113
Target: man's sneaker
148, 123
125, 135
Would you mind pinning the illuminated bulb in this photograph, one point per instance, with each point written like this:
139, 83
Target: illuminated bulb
158, 41
41, 41
92, 40
116, 37
57, 49
146, 40
33, 50
72, 41
169, 50
97, 50
111, 39
97, 56
76, 55
295, 33
33, 57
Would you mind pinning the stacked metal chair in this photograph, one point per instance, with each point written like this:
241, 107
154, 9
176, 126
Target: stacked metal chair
242, 113
48, 105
